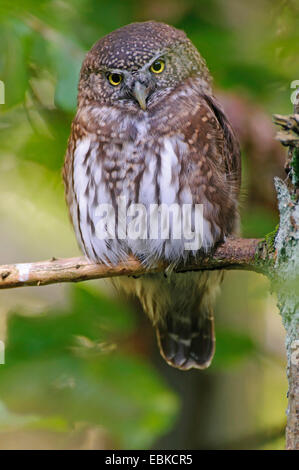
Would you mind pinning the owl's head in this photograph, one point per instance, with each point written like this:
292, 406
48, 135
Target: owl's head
136, 66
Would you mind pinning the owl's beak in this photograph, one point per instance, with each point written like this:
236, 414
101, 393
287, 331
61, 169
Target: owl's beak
140, 93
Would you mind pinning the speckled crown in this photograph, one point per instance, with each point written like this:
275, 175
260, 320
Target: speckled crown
131, 46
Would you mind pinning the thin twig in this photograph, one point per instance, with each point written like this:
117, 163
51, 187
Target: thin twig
235, 253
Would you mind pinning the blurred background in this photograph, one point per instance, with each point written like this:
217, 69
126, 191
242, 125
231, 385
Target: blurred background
82, 368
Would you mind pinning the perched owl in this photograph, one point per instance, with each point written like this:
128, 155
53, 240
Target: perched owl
149, 133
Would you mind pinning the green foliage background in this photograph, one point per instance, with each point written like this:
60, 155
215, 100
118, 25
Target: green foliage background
68, 365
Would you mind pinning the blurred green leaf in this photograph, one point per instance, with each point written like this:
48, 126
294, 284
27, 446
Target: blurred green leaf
67, 63
15, 39
10, 421
112, 389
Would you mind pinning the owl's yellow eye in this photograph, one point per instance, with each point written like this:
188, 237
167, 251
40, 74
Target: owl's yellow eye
158, 66
115, 78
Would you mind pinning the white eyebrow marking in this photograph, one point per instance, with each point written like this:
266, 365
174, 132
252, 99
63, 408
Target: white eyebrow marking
24, 270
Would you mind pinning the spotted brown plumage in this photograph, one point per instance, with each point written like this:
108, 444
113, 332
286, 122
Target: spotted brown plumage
154, 139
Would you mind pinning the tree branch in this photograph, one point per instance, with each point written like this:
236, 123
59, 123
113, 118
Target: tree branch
235, 253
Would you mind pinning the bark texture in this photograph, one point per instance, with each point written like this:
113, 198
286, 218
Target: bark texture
235, 253
285, 271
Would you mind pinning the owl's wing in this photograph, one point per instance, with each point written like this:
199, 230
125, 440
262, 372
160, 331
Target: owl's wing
228, 142
213, 166
67, 173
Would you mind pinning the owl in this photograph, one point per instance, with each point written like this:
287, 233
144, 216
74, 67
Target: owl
150, 135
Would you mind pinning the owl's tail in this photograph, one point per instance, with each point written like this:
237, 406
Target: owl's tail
180, 308
187, 341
